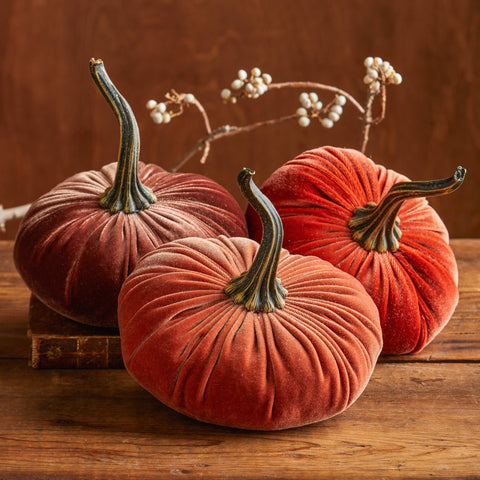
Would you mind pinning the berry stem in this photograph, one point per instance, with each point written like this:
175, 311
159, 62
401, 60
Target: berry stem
319, 86
221, 132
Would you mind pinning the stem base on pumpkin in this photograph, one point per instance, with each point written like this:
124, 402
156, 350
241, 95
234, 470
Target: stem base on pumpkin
377, 227
127, 194
259, 289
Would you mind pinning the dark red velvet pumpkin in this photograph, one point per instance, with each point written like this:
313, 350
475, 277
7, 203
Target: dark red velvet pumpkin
339, 205
236, 334
78, 242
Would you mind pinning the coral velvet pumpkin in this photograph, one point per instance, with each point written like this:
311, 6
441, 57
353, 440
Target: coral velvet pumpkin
209, 329
78, 242
339, 205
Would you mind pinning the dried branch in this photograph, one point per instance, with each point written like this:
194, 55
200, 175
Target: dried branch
10, 214
225, 131
379, 74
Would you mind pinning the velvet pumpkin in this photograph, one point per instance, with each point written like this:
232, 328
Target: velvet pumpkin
244, 335
375, 224
78, 242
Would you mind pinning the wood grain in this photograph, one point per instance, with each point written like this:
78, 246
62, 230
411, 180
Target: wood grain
418, 418
413, 421
54, 123
460, 339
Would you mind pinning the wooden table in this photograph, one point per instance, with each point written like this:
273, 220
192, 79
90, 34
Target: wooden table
419, 417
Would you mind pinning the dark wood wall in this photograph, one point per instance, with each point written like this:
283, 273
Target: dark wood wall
54, 122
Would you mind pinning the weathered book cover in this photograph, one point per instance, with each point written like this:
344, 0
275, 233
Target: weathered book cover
57, 342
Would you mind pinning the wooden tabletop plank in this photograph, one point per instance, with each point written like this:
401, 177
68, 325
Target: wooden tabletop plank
467, 254
412, 421
6, 256
14, 301
460, 339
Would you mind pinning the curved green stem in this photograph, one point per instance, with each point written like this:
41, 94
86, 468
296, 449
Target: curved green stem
376, 227
127, 194
259, 289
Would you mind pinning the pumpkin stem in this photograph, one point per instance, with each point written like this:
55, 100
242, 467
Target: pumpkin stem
376, 227
127, 194
259, 289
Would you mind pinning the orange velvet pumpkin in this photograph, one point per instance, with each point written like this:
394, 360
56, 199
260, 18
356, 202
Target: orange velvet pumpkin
236, 334
339, 205
78, 242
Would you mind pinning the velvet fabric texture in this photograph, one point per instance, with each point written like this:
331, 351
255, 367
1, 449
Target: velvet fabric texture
185, 341
74, 255
415, 287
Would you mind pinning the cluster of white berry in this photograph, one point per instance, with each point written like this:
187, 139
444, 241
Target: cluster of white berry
159, 111
312, 107
379, 71
252, 86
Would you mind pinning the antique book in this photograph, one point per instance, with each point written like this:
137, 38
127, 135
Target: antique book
57, 342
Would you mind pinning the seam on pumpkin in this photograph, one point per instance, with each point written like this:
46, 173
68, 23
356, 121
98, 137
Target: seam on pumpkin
266, 321
148, 305
204, 322
69, 280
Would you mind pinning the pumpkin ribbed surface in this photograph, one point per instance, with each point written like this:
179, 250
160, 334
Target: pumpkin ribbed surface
415, 287
74, 255
186, 342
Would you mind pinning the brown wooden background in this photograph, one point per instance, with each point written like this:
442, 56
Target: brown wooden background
54, 122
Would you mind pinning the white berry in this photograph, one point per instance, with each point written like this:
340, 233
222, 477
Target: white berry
226, 93
367, 79
237, 84
256, 72
303, 96
262, 88
340, 100
301, 112
157, 117
189, 98
161, 107
249, 88
368, 62
337, 109
242, 75
327, 123
375, 86
335, 117
386, 65
151, 104
306, 102
267, 78
304, 121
